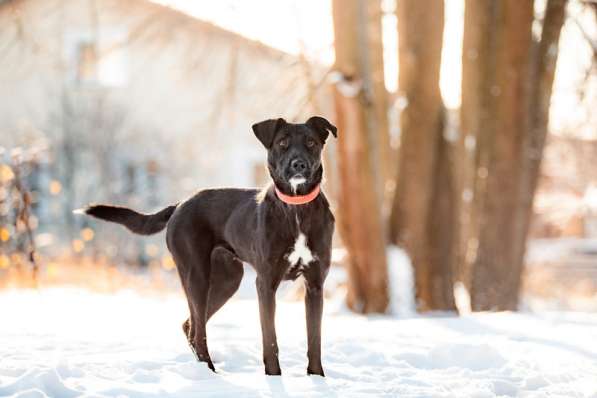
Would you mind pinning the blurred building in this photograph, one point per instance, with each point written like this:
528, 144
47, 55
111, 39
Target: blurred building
136, 103
173, 89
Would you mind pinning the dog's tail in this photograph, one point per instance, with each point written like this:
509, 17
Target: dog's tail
142, 224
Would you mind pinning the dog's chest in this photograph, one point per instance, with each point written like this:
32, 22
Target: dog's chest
299, 255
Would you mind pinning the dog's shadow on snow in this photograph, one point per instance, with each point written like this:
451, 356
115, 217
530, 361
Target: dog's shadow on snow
276, 386
278, 389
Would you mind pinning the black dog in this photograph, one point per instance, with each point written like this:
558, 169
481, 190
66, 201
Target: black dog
284, 231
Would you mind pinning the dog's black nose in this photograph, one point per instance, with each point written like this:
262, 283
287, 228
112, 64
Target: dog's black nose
298, 165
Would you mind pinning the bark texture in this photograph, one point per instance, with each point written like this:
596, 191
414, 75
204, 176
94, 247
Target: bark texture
545, 57
507, 81
360, 217
378, 98
477, 70
422, 209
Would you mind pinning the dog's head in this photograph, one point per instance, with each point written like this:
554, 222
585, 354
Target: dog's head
294, 152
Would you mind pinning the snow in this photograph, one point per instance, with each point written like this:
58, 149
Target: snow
63, 342
400, 275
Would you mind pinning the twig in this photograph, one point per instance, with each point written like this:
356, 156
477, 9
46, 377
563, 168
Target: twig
23, 215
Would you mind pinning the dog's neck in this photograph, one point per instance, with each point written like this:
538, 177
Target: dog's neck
298, 199
286, 188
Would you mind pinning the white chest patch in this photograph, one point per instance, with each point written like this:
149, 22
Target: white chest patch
300, 251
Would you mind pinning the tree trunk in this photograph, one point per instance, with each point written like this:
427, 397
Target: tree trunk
477, 69
506, 90
495, 265
443, 228
413, 221
360, 214
375, 84
544, 66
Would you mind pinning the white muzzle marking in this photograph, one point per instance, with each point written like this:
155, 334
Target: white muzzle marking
295, 182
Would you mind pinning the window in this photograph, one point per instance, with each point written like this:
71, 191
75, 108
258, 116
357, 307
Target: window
86, 62
97, 60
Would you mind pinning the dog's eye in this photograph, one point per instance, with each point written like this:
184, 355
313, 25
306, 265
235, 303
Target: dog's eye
283, 143
310, 143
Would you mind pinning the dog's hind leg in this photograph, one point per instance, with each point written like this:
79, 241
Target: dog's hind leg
199, 289
193, 263
225, 277
187, 327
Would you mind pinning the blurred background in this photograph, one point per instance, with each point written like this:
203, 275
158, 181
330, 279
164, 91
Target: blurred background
464, 176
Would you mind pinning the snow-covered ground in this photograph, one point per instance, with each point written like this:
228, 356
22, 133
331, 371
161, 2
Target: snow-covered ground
70, 342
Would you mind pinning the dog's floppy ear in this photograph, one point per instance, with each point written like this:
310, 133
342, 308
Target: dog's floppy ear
322, 126
265, 131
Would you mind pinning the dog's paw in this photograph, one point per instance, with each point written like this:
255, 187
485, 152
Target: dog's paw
211, 366
273, 372
315, 371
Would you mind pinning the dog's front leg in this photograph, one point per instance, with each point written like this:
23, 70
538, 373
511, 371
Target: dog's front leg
266, 291
314, 311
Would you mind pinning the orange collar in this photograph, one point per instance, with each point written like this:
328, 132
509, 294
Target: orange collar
298, 199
